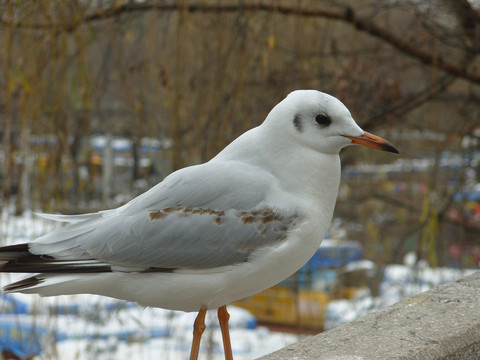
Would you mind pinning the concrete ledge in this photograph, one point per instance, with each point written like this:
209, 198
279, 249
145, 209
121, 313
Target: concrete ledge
443, 323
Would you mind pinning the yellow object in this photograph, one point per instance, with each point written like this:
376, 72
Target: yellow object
279, 305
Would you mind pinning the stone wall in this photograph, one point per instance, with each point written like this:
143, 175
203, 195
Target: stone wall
443, 323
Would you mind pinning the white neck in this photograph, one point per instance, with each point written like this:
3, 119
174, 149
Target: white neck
307, 173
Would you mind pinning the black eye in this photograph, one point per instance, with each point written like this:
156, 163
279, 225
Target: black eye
323, 120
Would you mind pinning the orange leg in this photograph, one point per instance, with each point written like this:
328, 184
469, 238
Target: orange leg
198, 329
223, 317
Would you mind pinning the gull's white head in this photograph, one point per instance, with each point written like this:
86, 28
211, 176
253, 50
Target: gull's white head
320, 121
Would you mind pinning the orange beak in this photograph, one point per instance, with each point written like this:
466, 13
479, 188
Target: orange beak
373, 141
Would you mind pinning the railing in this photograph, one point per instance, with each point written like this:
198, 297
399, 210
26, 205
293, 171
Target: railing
443, 323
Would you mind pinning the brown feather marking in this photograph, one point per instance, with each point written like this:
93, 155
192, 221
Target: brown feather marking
264, 216
156, 214
185, 212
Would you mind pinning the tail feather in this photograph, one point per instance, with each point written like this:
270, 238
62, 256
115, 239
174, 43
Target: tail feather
70, 218
65, 242
18, 259
64, 263
50, 284
24, 284
13, 252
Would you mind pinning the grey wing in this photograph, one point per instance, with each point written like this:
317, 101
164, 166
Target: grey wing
199, 217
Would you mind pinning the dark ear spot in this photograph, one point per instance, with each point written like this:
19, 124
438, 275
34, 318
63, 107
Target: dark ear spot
298, 123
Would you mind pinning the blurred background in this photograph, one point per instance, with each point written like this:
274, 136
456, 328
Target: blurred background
101, 99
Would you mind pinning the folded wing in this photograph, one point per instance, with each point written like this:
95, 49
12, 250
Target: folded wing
198, 217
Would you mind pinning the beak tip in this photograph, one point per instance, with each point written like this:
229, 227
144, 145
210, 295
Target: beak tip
390, 148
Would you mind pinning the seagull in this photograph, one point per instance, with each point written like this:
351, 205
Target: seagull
209, 234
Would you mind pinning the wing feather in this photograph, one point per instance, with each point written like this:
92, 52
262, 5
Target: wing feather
203, 216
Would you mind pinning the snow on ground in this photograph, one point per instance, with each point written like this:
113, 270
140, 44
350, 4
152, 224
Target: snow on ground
88, 326
399, 282
137, 333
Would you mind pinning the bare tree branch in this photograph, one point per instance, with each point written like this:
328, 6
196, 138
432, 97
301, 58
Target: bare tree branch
469, 20
346, 15
412, 102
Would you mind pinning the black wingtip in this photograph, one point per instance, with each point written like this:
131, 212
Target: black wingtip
23, 284
12, 252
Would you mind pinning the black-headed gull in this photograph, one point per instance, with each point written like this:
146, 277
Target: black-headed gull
209, 234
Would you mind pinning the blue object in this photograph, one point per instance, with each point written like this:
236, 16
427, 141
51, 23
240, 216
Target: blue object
22, 338
337, 255
10, 304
